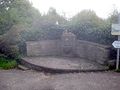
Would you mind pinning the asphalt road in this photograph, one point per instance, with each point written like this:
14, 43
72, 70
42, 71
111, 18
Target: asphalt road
32, 80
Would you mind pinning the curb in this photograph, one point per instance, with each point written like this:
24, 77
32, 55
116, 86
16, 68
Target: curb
55, 70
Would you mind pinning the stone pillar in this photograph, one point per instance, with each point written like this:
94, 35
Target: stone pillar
68, 43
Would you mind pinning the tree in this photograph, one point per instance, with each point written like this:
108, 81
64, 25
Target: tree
88, 26
16, 16
48, 26
5, 20
113, 17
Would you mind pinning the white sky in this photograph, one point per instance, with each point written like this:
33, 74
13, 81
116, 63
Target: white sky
71, 7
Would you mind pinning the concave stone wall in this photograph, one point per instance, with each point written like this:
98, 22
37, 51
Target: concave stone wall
43, 48
79, 48
92, 51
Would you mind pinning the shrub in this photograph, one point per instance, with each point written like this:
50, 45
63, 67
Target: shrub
10, 51
7, 63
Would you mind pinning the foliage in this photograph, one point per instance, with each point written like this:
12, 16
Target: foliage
113, 18
5, 20
118, 70
9, 51
7, 63
16, 16
20, 22
88, 26
46, 27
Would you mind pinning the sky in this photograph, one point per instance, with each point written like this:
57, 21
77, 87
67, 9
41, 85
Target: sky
69, 8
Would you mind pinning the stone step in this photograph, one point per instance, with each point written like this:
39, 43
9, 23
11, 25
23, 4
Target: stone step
61, 65
22, 67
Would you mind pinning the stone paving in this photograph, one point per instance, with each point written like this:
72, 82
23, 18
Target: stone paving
64, 63
32, 80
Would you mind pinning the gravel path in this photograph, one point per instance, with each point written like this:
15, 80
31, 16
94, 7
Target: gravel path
32, 80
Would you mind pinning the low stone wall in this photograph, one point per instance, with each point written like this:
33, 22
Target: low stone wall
43, 48
92, 51
82, 49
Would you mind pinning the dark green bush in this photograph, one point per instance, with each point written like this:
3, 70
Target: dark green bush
7, 63
10, 51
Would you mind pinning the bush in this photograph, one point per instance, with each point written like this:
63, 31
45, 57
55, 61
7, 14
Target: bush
10, 51
118, 70
7, 63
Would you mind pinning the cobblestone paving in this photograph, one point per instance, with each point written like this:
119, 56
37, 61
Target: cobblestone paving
64, 63
32, 80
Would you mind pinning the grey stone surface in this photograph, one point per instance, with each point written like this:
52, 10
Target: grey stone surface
43, 48
31, 80
64, 63
69, 46
92, 51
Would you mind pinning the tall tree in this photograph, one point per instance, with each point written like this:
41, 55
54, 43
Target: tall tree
5, 20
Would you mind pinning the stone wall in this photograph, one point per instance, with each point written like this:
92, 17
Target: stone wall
43, 48
92, 51
69, 46
82, 49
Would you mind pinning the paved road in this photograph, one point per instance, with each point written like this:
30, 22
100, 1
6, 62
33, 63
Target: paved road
32, 80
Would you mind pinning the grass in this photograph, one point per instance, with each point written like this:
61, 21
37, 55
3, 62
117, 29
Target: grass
118, 70
7, 63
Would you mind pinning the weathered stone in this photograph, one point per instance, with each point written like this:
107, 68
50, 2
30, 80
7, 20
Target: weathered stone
69, 46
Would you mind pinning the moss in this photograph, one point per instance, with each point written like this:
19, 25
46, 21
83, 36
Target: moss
7, 63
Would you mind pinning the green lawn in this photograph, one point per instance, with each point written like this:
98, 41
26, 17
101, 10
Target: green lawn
7, 63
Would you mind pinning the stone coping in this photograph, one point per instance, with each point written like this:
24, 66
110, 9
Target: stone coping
40, 65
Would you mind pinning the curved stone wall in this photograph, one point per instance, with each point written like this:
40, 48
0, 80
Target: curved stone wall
43, 48
69, 46
78, 48
92, 51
